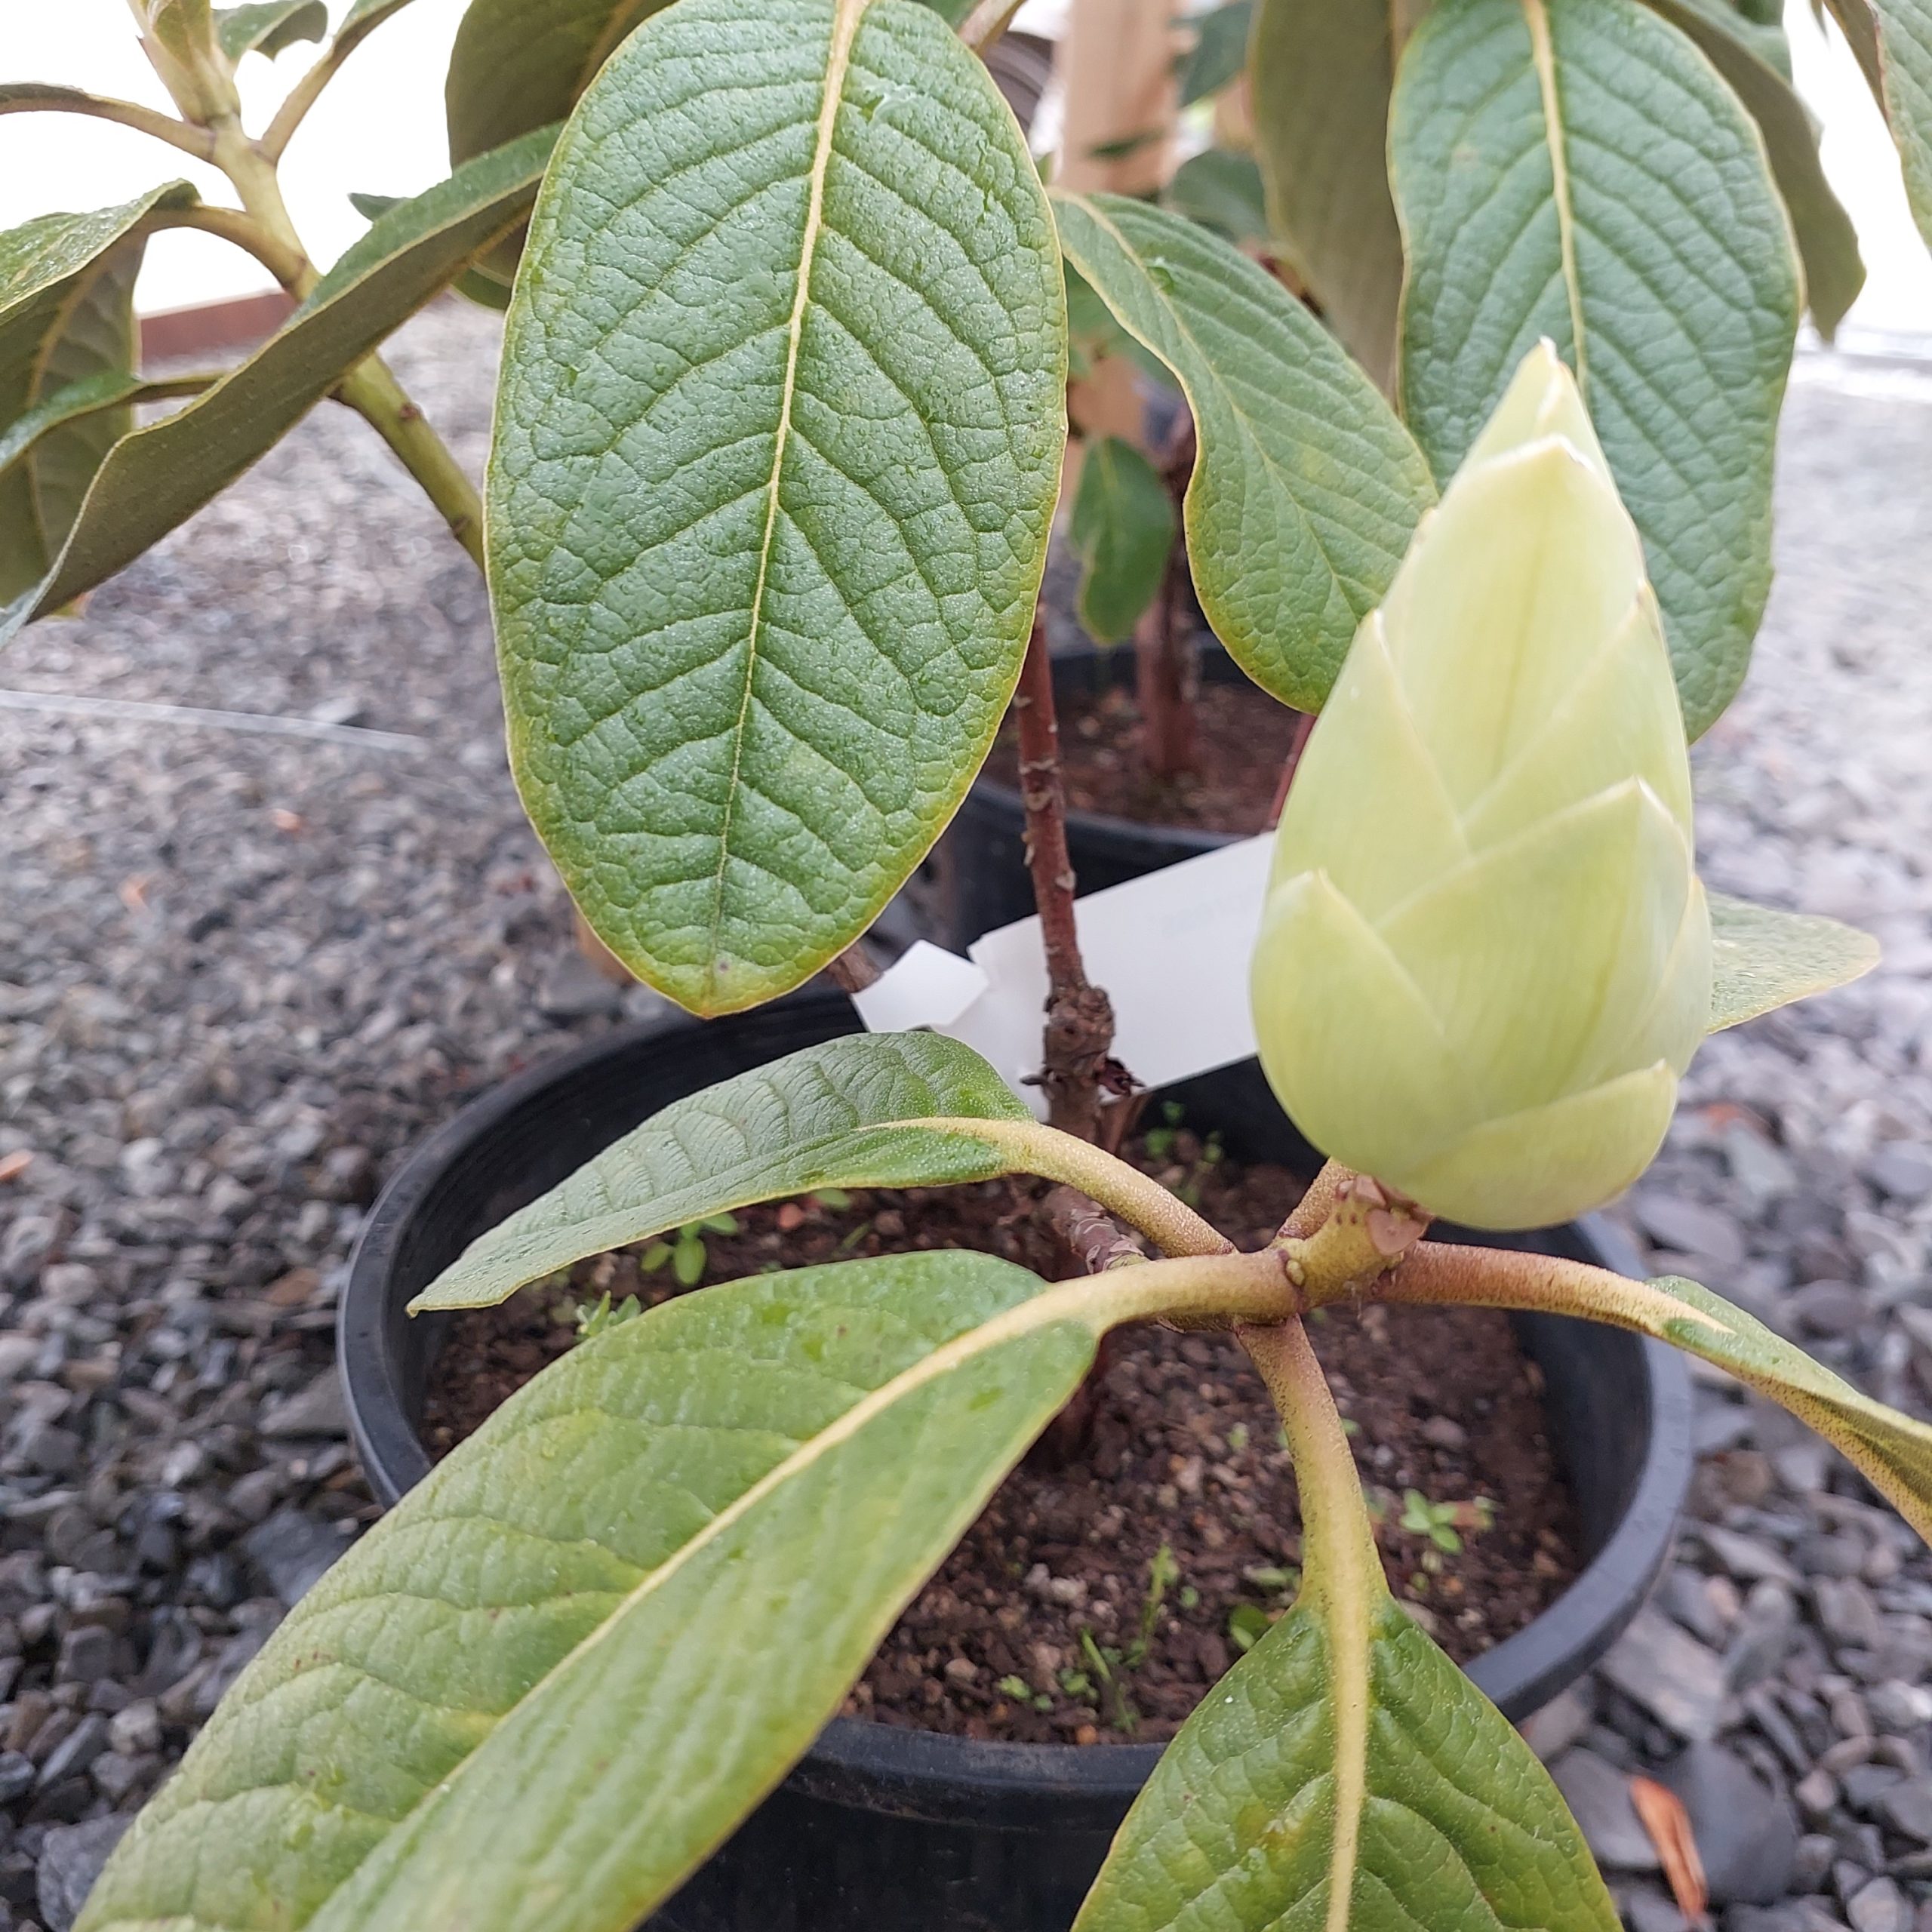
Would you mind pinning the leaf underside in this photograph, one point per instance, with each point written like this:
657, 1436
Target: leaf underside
1761, 959
547, 1683
1322, 70
1574, 169
778, 443
892, 1110
1306, 489
1894, 41
268, 26
156, 477
66, 317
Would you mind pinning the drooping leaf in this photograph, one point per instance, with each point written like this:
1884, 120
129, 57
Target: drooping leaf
1223, 189
1122, 529
268, 26
778, 445
1893, 39
1320, 74
1761, 959
111, 390
1345, 1774
1746, 55
156, 477
546, 1684
520, 64
1219, 51
1574, 169
1306, 489
66, 316
890, 1110
481, 285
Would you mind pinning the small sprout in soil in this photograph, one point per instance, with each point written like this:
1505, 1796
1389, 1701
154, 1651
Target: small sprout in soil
1106, 1664
1237, 1439
1247, 1624
1019, 1691
1272, 1577
835, 1199
1159, 1141
1190, 1598
686, 1254
594, 1318
1350, 1426
853, 1239
1445, 1524
1162, 1576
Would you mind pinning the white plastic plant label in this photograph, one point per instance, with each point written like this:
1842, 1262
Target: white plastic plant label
1171, 949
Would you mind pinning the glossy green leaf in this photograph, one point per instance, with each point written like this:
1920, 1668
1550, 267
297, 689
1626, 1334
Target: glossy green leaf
892, 1110
66, 317
1574, 169
1748, 57
1321, 75
1306, 489
1893, 39
156, 477
778, 443
1219, 51
1222, 189
1122, 529
1761, 959
547, 1683
268, 26
520, 64
1345, 1776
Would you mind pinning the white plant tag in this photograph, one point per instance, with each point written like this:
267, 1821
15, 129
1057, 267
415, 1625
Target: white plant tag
1171, 948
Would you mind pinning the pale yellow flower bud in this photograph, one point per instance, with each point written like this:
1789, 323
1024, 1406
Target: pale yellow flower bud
1486, 957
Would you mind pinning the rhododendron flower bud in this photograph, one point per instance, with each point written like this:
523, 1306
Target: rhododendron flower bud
1486, 957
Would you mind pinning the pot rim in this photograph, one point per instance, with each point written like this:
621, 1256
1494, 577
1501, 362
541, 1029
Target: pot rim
933, 1774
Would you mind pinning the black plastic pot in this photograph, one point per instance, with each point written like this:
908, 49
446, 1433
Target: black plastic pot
881, 1830
975, 878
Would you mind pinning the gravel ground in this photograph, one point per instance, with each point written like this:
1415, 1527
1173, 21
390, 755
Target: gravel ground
240, 975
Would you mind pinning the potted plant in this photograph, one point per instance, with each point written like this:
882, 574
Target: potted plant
778, 443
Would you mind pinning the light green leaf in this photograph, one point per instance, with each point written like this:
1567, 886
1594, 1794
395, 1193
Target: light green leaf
268, 26
1223, 189
1345, 1774
1747, 55
1219, 51
66, 316
890, 1110
185, 28
777, 447
1893, 39
1122, 529
156, 477
111, 390
1761, 959
1321, 75
520, 64
1306, 489
547, 1683
1573, 169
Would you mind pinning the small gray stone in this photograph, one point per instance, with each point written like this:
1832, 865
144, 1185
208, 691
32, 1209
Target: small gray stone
87, 1655
1762, 1635
1747, 1833
1647, 1911
1680, 1681
135, 1728
317, 1410
76, 1751
16, 1776
574, 989
1688, 1227
1902, 1170
1845, 1609
70, 1856
292, 1550
1746, 1557
1598, 1796
1828, 1308
1880, 1907
1900, 1708
1907, 1808
1551, 1731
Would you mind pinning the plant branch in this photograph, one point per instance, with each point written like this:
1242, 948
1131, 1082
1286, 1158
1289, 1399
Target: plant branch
233, 225
1093, 1237
1077, 1062
1315, 1206
986, 24
31, 97
1167, 662
303, 95
855, 969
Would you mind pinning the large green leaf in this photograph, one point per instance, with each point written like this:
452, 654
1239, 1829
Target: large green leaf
1219, 51
1223, 189
1892, 1451
1306, 489
267, 26
1122, 529
158, 477
1345, 1774
112, 390
778, 443
483, 285
1761, 959
66, 317
546, 1685
895, 1110
1575, 169
520, 64
1320, 74
1748, 57
1893, 39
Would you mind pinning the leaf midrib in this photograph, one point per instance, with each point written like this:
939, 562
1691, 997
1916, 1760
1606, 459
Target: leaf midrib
846, 16
1542, 54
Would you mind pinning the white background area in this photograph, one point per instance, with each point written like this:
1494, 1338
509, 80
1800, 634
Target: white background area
380, 128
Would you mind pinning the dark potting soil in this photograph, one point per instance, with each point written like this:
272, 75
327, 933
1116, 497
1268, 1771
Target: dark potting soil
1244, 737
1099, 1599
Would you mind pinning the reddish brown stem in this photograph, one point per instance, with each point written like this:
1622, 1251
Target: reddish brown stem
1304, 724
1077, 1063
1167, 665
854, 969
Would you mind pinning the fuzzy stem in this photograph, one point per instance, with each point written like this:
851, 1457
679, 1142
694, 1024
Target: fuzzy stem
190, 139
1077, 1061
1331, 1490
